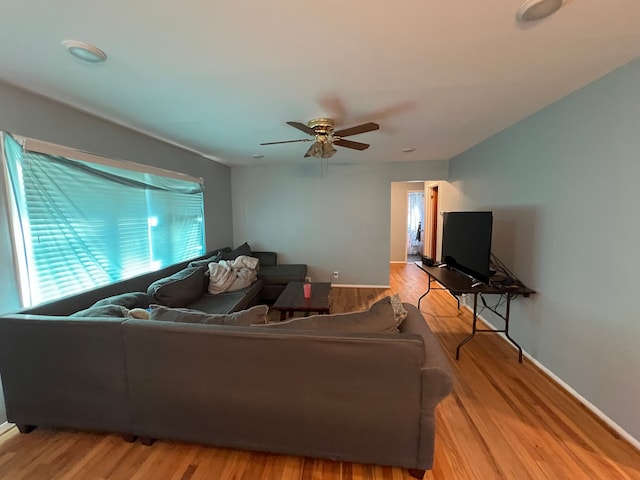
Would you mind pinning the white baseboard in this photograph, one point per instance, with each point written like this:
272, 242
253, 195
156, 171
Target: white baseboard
565, 386
359, 286
5, 427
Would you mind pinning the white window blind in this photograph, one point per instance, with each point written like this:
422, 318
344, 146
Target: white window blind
79, 225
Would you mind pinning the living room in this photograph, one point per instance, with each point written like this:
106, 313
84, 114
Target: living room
561, 184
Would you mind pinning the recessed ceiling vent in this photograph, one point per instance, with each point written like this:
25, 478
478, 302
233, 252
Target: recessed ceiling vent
84, 51
533, 10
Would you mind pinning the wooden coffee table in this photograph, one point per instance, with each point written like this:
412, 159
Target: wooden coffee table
292, 299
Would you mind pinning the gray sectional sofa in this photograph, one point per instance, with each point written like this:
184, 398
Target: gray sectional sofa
337, 394
275, 277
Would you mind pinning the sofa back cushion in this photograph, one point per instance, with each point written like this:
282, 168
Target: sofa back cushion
379, 318
266, 259
253, 315
243, 249
102, 311
206, 261
180, 289
128, 300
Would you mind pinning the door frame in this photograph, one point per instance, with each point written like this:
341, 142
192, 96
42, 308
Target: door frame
431, 198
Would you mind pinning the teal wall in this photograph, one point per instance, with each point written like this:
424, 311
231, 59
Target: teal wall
339, 220
563, 185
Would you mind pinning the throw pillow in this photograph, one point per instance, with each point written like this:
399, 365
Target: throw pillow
232, 275
398, 309
139, 313
102, 311
180, 289
251, 316
243, 249
378, 319
127, 300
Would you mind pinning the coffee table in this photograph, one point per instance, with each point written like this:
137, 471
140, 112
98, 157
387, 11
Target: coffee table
292, 299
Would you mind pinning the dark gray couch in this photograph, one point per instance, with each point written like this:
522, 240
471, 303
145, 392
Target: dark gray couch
360, 397
367, 398
272, 279
276, 277
221, 303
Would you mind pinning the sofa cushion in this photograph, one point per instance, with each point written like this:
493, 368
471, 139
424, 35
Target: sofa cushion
180, 289
256, 314
266, 258
127, 300
282, 274
243, 249
206, 261
228, 301
102, 311
378, 319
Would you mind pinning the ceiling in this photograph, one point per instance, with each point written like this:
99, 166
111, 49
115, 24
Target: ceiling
219, 78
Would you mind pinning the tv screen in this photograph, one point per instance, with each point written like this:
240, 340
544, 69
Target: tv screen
466, 243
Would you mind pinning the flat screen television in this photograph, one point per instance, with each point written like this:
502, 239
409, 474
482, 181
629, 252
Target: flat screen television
466, 243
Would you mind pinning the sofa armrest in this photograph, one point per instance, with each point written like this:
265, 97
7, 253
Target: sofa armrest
64, 372
266, 259
437, 378
436, 381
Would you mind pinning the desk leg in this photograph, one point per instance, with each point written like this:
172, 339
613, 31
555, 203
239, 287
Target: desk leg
506, 329
473, 330
425, 293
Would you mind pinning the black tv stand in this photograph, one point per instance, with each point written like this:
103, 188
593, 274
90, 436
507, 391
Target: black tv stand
458, 283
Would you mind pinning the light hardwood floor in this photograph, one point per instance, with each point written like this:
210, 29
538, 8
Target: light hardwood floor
503, 421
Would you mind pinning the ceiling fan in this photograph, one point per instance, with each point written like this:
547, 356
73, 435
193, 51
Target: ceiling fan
325, 137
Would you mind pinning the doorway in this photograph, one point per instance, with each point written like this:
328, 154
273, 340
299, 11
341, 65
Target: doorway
415, 225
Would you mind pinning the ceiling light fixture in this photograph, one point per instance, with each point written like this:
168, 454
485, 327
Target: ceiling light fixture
533, 10
408, 150
321, 149
84, 51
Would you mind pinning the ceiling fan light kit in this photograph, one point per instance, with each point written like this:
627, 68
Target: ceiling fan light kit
534, 10
322, 129
321, 150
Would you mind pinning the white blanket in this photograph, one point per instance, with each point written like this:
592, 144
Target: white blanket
230, 275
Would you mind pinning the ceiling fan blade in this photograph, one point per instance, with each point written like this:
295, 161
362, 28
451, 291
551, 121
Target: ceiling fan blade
288, 141
303, 127
334, 106
365, 127
351, 144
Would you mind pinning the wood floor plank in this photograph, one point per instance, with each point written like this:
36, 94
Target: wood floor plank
504, 420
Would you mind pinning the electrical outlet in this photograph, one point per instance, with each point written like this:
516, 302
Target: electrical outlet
336, 274
307, 279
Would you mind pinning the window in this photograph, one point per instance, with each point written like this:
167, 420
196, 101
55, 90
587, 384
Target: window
81, 221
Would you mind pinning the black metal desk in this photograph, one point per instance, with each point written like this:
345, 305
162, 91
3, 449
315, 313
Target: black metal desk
458, 284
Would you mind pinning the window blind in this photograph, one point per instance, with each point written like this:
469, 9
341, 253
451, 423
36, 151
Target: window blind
81, 225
